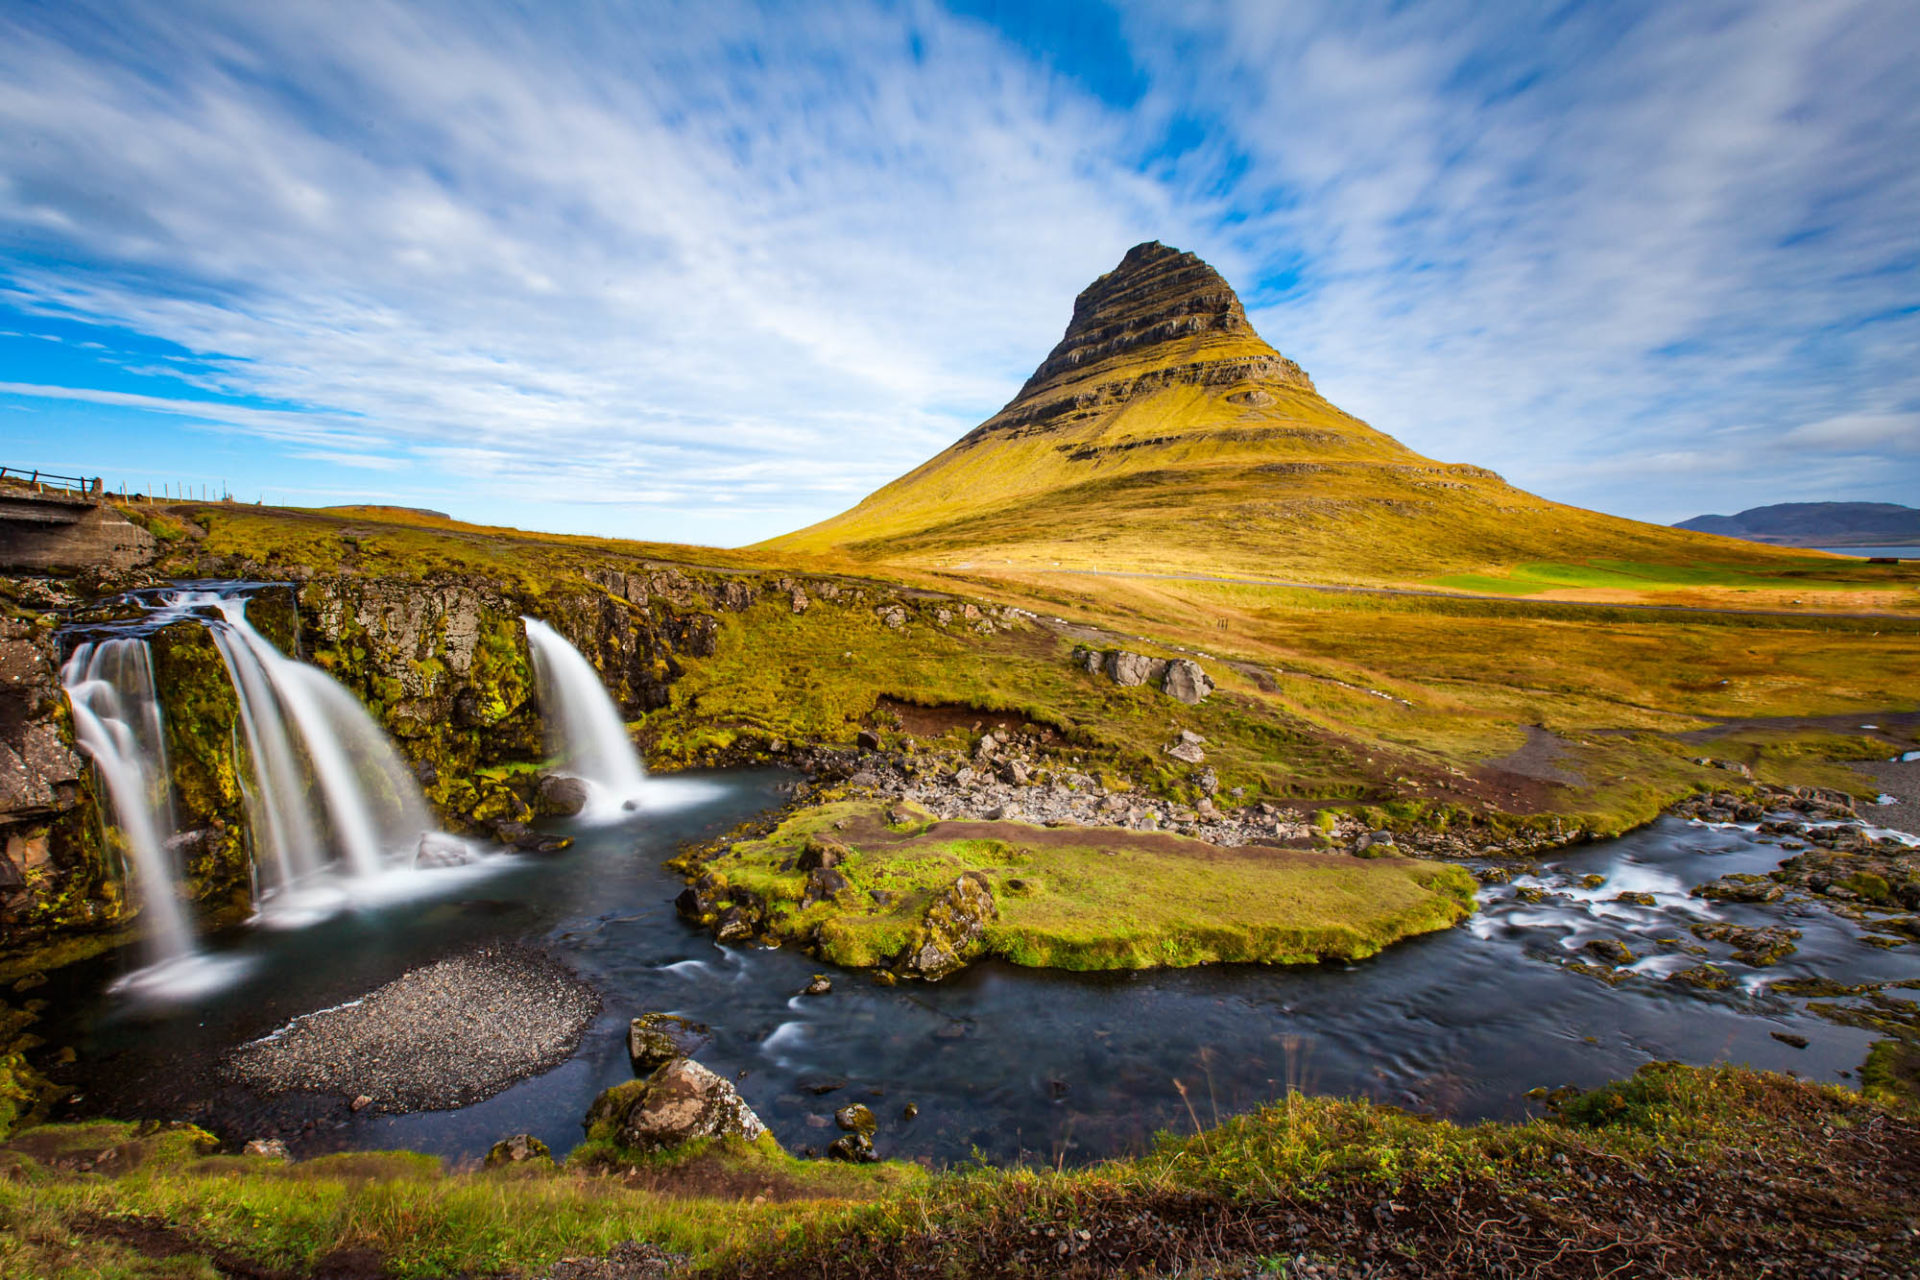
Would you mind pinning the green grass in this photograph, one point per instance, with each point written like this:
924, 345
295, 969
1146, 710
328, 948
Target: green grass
1636, 576
160, 1207
1100, 898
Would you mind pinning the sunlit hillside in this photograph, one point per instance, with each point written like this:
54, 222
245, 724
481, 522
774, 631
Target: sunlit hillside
1163, 434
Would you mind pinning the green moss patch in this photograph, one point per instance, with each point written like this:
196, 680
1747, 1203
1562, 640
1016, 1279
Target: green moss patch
1091, 898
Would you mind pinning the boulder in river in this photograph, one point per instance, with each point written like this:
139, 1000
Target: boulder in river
438, 849
953, 930
655, 1039
679, 1102
856, 1117
560, 796
854, 1148
1611, 950
1738, 887
1757, 947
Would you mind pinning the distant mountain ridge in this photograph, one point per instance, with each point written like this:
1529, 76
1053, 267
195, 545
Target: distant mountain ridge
1818, 524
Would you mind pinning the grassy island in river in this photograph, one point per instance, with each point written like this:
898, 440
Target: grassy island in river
866, 887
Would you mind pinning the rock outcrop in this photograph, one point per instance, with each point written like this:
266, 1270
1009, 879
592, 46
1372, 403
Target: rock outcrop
52, 872
680, 1102
1181, 679
1159, 310
952, 932
520, 1149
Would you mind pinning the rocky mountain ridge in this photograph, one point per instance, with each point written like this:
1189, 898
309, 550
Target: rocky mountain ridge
1162, 432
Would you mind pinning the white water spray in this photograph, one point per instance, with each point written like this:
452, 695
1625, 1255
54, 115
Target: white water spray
583, 725
116, 720
321, 766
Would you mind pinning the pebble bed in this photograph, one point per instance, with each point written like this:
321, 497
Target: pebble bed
441, 1036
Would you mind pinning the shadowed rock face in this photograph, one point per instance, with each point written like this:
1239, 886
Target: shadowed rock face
1160, 318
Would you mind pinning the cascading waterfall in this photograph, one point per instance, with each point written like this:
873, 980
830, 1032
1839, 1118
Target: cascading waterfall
583, 725
117, 722
321, 768
334, 816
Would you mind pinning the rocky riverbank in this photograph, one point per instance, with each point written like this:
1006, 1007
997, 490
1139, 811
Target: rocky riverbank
1009, 777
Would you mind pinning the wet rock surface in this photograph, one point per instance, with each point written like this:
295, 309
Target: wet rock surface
679, 1102
444, 1035
655, 1039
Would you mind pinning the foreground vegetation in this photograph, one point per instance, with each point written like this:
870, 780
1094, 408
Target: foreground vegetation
1679, 1171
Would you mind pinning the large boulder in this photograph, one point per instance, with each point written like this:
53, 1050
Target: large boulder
1185, 681
560, 796
1125, 668
655, 1039
679, 1102
952, 932
1187, 747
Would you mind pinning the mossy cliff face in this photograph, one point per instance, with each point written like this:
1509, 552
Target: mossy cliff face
55, 872
443, 667
206, 754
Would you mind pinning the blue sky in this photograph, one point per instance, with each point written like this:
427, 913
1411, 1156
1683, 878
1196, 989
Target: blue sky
709, 272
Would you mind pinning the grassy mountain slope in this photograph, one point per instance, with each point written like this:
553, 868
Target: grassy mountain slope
1164, 434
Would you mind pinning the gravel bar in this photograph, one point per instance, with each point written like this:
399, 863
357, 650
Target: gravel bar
441, 1036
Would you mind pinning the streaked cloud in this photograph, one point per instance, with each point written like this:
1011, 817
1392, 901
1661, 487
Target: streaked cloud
715, 271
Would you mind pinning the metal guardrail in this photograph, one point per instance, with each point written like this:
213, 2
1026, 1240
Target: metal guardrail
90, 486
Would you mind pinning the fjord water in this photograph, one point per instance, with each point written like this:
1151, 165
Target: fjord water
1012, 1063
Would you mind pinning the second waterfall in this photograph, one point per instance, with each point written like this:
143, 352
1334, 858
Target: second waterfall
584, 727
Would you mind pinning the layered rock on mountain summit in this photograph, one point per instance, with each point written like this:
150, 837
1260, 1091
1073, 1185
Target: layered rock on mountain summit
1163, 433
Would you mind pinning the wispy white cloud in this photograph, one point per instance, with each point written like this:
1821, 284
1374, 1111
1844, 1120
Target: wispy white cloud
661, 260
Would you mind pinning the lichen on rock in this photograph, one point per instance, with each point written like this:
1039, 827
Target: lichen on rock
952, 931
680, 1102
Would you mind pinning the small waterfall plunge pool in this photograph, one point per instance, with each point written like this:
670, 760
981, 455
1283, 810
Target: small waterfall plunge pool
1010, 1063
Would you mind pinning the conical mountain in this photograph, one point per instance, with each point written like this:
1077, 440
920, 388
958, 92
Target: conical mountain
1163, 433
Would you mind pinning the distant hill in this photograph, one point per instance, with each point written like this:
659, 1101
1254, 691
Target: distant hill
1818, 524
1164, 434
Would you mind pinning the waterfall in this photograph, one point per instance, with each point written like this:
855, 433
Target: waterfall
328, 793
583, 726
116, 720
